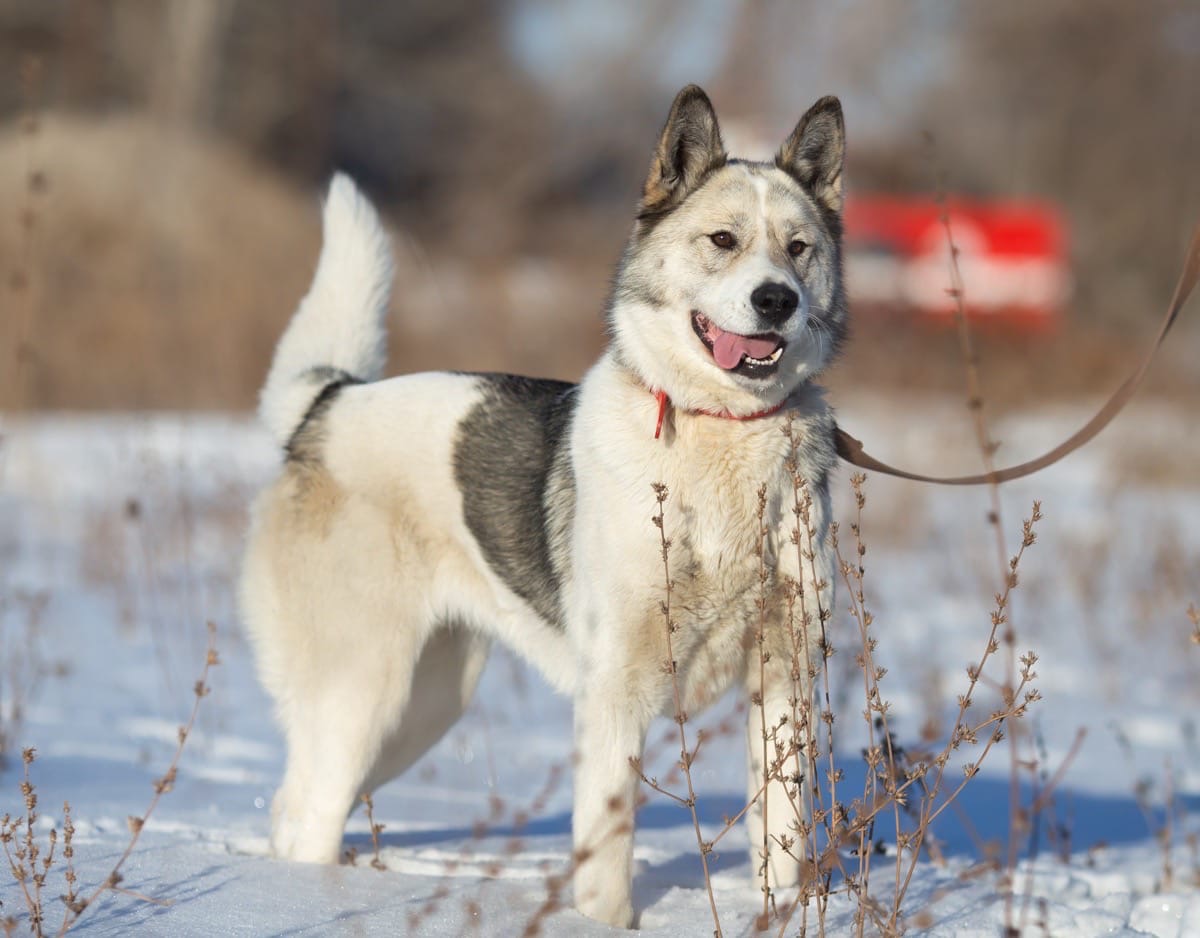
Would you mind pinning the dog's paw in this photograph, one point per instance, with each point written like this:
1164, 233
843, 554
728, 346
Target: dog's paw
612, 905
618, 916
308, 837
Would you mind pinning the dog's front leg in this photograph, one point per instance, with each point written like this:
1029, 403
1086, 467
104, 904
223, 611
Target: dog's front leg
778, 735
610, 729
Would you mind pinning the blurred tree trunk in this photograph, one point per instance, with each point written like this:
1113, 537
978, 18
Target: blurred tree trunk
183, 81
1095, 103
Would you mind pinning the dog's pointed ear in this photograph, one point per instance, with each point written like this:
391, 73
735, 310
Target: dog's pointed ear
689, 148
814, 152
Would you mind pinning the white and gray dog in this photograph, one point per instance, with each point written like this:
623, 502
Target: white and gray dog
418, 518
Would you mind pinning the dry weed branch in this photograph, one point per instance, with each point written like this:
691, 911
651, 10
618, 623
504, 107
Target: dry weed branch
376, 830
1016, 701
1043, 798
987, 449
555, 883
22, 850
905, 780
21, 353
671, 667
30, 866
21, 663
762, 602
162, 785
881, 753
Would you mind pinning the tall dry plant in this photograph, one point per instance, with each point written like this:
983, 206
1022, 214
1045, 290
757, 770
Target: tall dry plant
22, 666
836, 842
18, 354
1019, 824
30, 863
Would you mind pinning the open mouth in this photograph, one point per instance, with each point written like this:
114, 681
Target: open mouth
752, 356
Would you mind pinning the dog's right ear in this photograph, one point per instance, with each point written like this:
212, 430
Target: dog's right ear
688, 150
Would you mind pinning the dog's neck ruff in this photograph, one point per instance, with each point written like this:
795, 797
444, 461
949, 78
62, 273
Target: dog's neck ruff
664, 401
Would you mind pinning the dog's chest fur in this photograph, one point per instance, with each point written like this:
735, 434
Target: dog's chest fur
729, 557
718, 549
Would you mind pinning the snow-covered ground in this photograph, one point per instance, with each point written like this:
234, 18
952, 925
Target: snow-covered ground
119, 539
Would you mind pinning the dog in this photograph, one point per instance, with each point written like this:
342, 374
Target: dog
417, 519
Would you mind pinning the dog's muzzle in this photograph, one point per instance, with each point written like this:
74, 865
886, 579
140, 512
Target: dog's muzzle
751, 356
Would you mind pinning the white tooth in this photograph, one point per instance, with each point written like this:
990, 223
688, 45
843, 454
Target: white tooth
770, 360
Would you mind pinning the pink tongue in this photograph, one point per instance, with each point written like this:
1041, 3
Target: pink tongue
728, 348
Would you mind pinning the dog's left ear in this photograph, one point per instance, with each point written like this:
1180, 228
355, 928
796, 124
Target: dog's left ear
814, 152
688, 149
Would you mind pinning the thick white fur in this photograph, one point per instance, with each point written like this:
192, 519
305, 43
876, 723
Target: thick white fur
617, 627
340, 323
372, 607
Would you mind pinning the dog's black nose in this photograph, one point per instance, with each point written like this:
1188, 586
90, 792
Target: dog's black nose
774, 302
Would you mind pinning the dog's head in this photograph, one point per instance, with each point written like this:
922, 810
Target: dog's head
729, 294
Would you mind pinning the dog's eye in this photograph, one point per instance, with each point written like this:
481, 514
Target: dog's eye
797, 247
723, 239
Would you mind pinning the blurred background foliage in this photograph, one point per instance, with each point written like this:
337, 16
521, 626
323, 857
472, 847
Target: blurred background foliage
161, 162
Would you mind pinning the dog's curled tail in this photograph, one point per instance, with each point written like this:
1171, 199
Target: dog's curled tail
337, 335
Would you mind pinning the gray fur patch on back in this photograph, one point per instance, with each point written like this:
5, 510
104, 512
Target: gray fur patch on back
512, 465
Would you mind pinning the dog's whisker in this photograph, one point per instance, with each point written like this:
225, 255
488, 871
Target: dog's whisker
820, 333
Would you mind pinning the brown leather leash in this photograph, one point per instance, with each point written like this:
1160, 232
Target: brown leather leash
851, 449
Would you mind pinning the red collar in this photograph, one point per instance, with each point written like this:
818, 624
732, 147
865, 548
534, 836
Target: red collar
664, 402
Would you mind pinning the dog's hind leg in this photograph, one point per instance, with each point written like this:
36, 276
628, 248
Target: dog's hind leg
336, 728
365, 725
443, 684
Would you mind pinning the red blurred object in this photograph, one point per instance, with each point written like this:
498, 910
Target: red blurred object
1012, 256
